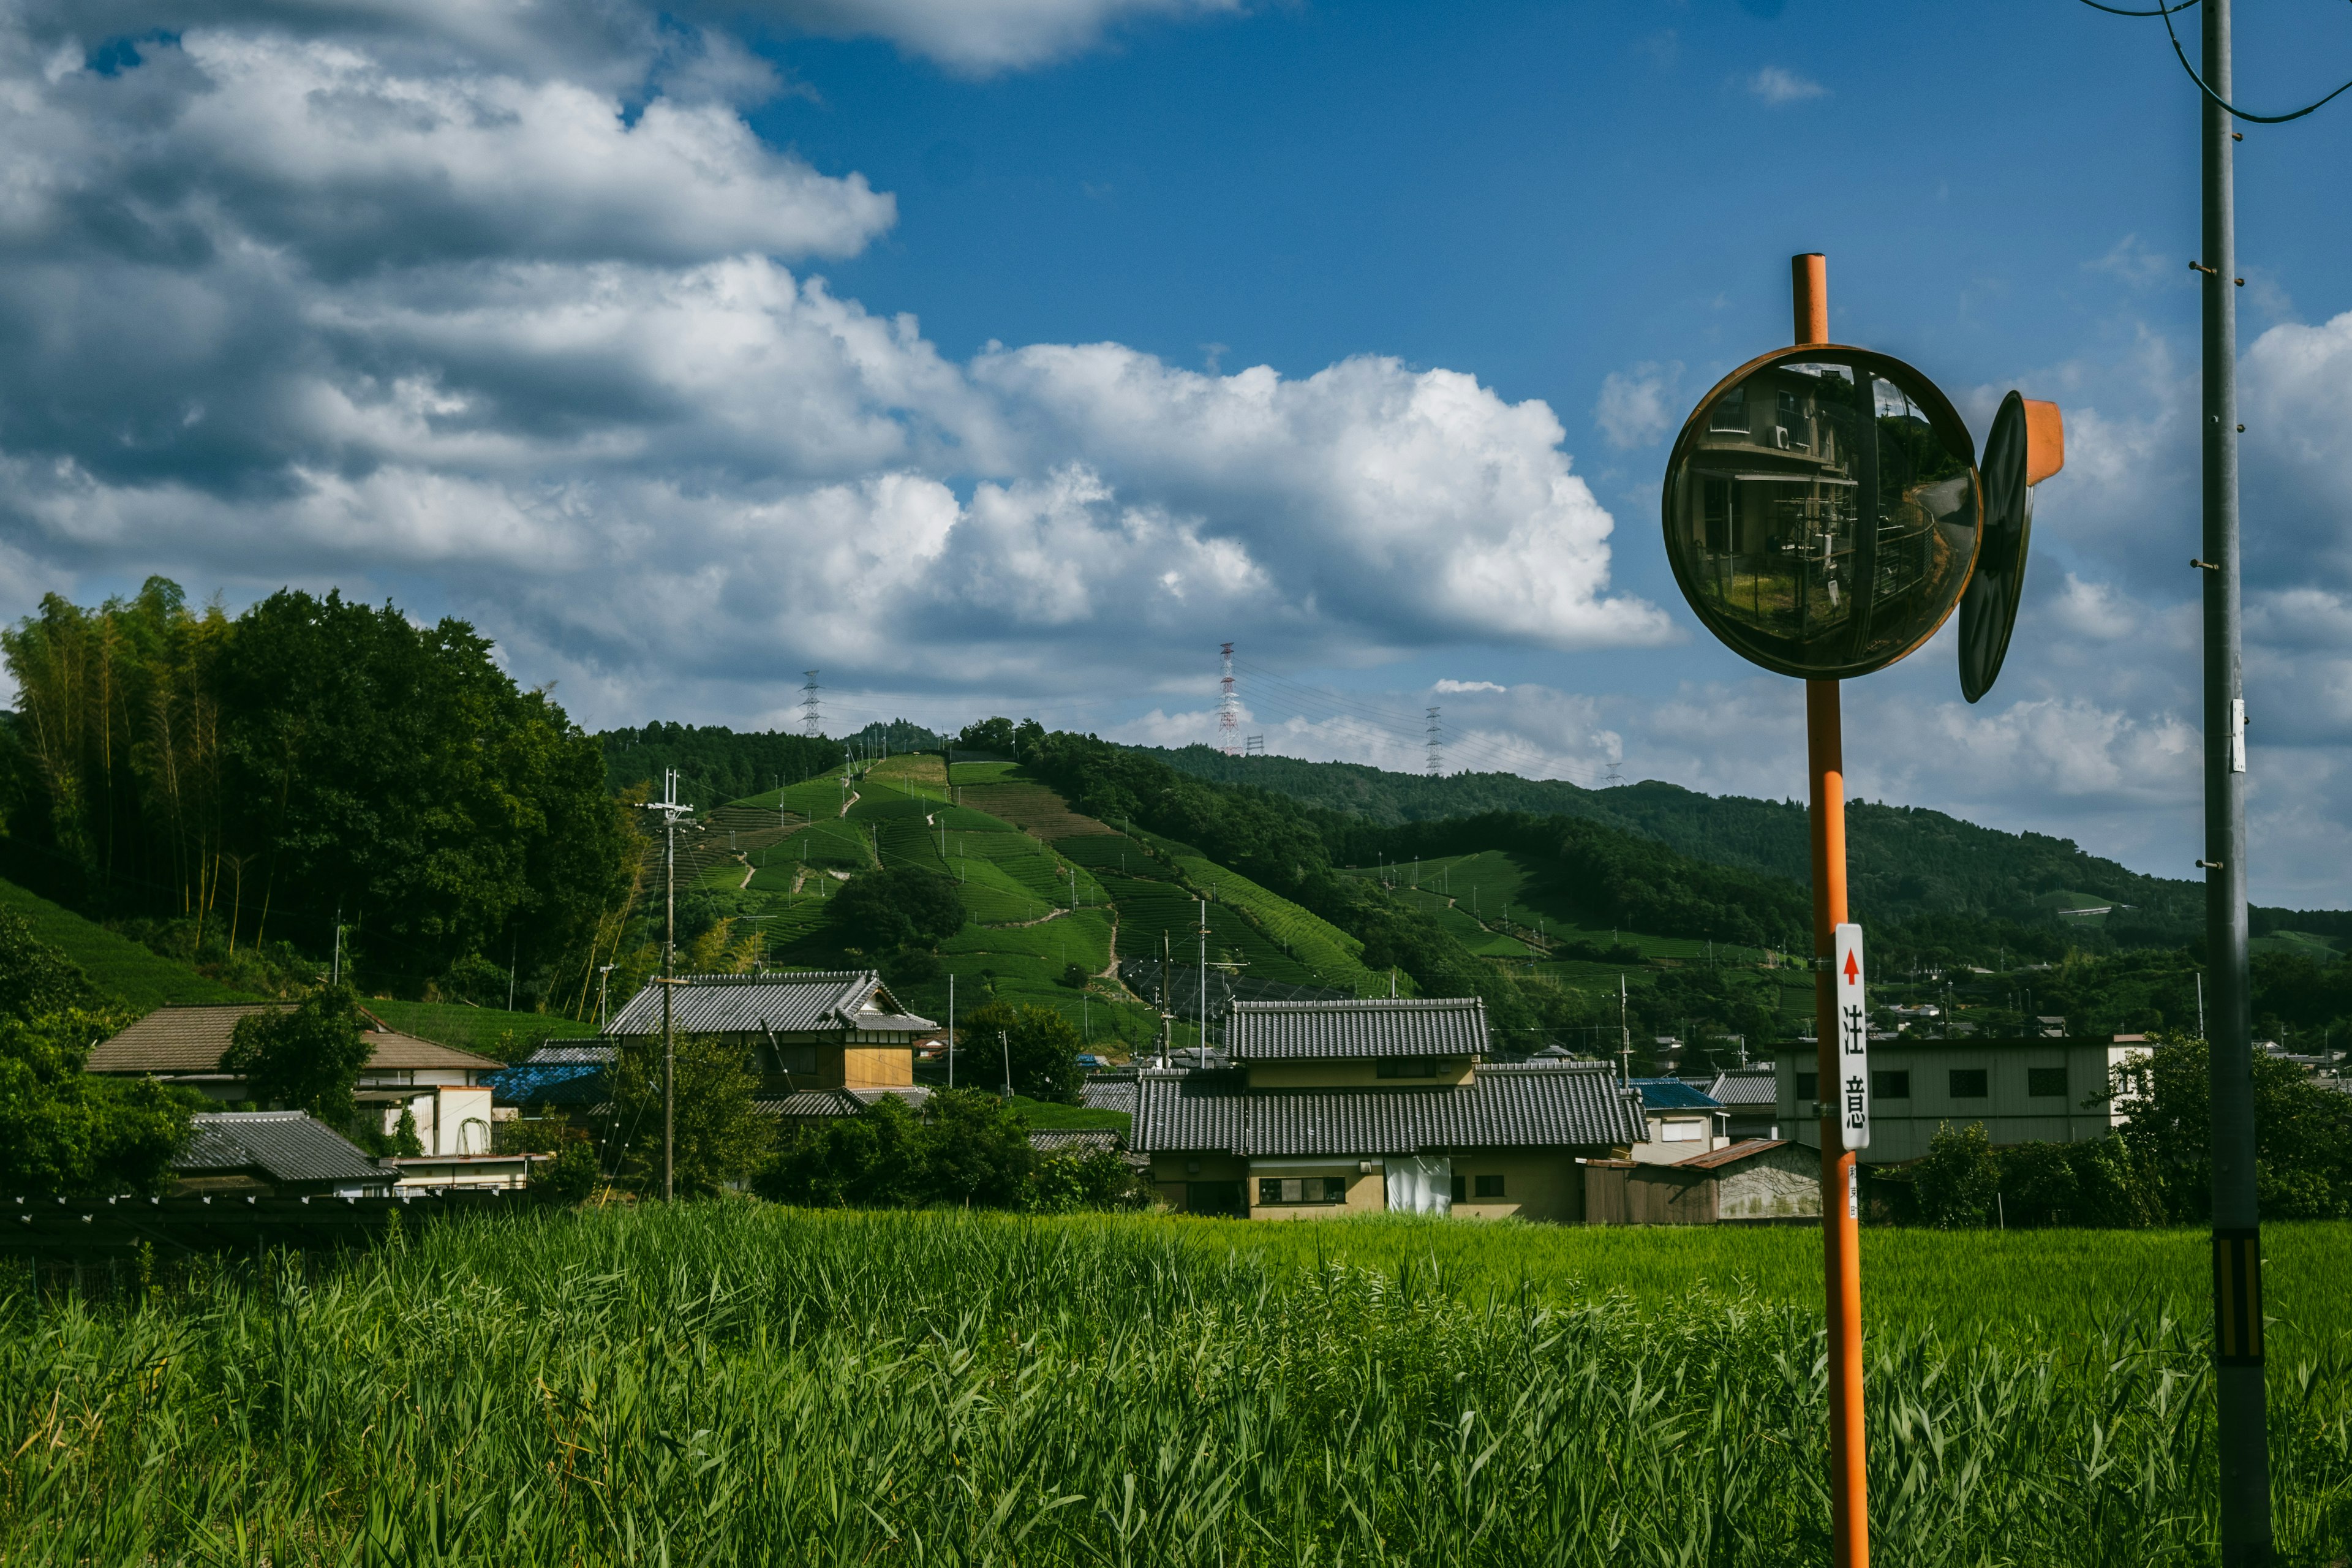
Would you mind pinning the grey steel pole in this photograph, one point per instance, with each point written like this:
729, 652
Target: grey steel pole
669, 975
2243, 1445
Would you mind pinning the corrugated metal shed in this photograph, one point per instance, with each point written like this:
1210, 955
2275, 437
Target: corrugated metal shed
1525, 1106
808, 1002
283, 1146
1383, 1026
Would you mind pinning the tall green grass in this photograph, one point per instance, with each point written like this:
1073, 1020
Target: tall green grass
732, 1383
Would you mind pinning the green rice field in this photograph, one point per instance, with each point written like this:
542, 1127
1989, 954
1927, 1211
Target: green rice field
730, 1382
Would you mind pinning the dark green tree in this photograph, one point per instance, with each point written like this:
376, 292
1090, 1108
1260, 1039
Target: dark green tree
64, 1133
903, 906
720, 1136
1042, 1046
307, 1059
2303, 1133
963, 1147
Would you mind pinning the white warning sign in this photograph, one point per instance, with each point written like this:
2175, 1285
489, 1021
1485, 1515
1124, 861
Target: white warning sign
1853, 1097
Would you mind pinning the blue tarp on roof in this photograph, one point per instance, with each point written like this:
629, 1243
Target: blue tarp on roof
556, 1074
1673, 1094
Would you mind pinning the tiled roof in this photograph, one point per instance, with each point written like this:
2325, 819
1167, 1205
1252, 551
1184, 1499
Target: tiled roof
282, 1145
1673, 1094
1743, 1085
176, 1039
1504, 1107
1108, 1091
810, 1002
1073, 1139
191, 1040
836, 1101
389, 1050
1715, 1159
1384, 1026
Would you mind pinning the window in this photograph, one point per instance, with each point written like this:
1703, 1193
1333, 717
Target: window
1808, 1089
1968, 1083
2046, 1083
1683, 1131
1456, 1193
1891, 1083
1489, 1186
1301, 1190
1406, 1066
1730, 412
1715, 501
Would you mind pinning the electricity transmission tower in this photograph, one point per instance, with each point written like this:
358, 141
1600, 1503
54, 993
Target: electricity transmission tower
809, 724
1436, 754
1229, 713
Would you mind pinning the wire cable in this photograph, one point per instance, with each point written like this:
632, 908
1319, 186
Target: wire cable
2225, 104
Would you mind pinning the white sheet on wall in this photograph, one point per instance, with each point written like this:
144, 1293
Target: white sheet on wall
1420, 1183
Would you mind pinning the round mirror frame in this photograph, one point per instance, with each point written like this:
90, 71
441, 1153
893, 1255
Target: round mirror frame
1942, 416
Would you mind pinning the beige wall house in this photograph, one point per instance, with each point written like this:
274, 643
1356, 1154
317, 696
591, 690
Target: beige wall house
443, 1087
824, 1042
2023, 1090
1336, 1108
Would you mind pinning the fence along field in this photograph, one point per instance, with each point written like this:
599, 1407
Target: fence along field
730, 1382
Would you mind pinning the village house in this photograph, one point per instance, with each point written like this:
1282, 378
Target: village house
274, 1153
1682, 1121
1352, 1107
2023, 1090
1750, 1100
825, 1042
446, 1089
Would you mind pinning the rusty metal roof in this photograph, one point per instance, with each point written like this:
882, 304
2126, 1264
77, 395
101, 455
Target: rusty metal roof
1383, 1026
1715, 1159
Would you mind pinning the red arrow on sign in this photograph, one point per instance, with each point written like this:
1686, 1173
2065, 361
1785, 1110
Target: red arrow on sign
1852, 970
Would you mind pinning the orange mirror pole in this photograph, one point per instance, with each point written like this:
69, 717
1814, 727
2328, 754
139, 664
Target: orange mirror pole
1841, 1197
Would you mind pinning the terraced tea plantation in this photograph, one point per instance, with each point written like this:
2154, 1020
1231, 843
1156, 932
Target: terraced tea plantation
734, 1383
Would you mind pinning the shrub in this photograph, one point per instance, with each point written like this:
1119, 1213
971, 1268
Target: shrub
1955, 1184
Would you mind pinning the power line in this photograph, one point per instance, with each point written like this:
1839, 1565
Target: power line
2225, 104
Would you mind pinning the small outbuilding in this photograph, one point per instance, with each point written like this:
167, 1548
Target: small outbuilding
1756, 1181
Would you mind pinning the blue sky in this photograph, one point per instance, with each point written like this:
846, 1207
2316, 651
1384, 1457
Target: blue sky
1011, 354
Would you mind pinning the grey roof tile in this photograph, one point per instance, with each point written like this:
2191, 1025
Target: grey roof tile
282, 1145
1504, 1107
1743, 1086
810, 1002
1073, 1139
1383, 1026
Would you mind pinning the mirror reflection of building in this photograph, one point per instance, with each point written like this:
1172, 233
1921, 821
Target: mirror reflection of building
1822, 511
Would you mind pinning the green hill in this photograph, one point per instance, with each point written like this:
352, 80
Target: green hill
1905, 863
143, 978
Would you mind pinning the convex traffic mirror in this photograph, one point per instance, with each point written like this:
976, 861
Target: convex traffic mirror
1823, 511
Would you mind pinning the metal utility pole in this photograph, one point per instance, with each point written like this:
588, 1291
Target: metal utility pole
2243, 1436
951, 1030
671, 810
604, 1014
1624, 1034
1004, 1041
1841, 1208
335, 974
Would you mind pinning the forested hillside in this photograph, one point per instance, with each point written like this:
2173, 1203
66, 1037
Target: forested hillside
1906, 865
227, 789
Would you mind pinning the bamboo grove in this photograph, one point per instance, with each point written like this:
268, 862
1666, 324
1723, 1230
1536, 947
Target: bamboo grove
312, 761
